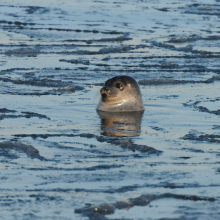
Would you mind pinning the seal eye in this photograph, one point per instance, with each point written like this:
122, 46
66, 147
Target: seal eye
119, 86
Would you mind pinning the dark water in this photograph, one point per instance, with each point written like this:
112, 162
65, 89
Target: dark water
60, 159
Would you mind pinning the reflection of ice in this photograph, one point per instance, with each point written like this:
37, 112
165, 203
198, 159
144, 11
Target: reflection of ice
143, 200
30, 151
22, 52
158, 81
120, 124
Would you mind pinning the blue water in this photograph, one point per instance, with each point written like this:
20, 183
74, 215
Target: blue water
59, 158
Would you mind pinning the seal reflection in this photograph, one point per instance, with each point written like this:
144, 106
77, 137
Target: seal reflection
120, 124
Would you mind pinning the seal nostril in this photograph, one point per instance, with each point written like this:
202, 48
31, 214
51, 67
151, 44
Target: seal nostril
104, 90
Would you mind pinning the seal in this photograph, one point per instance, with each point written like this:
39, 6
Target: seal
120, 94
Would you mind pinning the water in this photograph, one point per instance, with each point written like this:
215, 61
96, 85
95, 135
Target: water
60, 159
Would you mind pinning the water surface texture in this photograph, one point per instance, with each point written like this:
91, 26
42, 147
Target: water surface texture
62, 160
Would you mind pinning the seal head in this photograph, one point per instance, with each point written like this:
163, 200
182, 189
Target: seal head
120, 94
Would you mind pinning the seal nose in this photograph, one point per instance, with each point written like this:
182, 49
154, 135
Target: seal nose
105, 90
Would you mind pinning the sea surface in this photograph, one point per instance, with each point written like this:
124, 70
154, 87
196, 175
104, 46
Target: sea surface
60, 159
